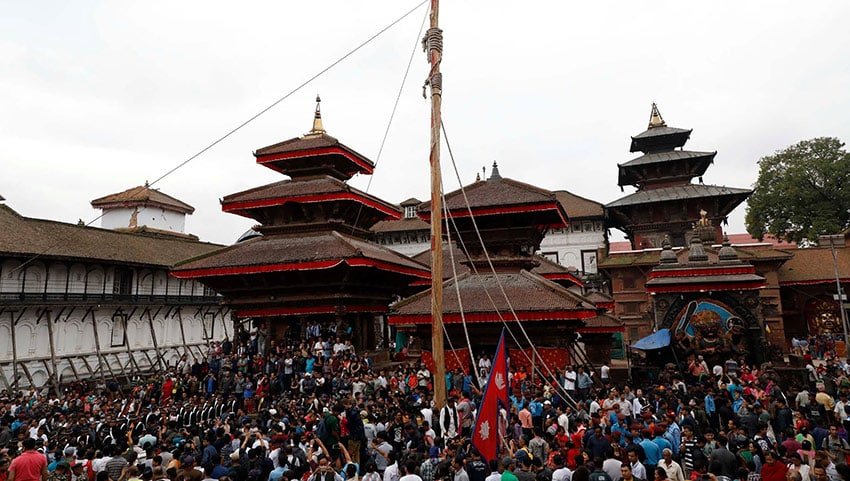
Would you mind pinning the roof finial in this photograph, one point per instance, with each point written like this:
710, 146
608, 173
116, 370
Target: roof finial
477, 177
318, 128
494, 174
147, 184
655, 119
727, 252
696, 251
667, 254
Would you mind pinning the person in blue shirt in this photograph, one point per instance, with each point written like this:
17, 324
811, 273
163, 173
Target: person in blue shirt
673, 434
737, 402
467, 384
536, 409
661, 442
651, 450
597, 443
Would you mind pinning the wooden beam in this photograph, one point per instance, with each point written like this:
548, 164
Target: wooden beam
3, 378
27, 373
186, 350
97, 348
119, 364
153, 337
15, 345
74, 370
88, 366
52, 350
148, 357
127, 337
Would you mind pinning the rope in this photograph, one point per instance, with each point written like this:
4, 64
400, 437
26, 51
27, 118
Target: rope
498, 280
457, 291
433, 40
505, 323
243, 124
457, 358
433, 43
392, 116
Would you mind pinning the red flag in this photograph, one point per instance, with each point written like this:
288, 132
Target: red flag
485, 436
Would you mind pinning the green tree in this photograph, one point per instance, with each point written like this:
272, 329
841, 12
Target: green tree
802, 192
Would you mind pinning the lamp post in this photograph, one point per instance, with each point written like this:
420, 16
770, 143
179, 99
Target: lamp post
833, 240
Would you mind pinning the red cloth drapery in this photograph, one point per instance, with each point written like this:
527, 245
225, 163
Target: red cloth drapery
553, 357
451, 358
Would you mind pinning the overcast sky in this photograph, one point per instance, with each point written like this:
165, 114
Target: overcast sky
99, 96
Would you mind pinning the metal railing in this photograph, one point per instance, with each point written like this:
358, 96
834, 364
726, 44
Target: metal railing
100, 297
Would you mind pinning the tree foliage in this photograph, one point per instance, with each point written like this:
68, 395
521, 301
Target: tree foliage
802, 191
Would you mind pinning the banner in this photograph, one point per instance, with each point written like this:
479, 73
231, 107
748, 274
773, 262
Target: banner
485, 433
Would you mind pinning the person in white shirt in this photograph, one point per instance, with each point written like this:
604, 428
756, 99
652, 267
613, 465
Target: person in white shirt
484, 365
495, 475
427, 414
391, 473
449, 420
637, 405
409, 469
564, 421
594, 406
604, 373
423, 375
325, 472
638, 469
570, 377
562, 473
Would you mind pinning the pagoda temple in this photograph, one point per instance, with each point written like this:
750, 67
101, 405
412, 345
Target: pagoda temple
709, 299
512, 218
312, 261
667, 203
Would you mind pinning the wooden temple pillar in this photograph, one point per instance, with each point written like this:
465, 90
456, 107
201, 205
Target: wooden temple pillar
51, 339
96, 343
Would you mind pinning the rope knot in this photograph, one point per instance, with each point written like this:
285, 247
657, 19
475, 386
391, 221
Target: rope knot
433, 40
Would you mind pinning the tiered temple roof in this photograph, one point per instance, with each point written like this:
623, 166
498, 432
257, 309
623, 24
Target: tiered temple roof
313, 257
697, 274
666, 203
512, 217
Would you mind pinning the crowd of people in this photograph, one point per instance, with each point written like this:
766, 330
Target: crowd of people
313, 409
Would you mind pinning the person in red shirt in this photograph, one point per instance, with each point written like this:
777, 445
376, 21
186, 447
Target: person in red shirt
4, 469
773, 469
30, 465
167, 389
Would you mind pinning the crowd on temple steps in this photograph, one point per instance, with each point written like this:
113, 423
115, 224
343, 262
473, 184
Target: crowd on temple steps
314, 409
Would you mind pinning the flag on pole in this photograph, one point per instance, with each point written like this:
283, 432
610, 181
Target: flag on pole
485, 436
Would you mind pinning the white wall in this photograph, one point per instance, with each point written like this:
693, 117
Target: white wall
571, 244
148, 216
565, 246
74, 340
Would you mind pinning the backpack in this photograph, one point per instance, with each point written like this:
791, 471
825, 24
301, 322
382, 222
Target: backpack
321, 430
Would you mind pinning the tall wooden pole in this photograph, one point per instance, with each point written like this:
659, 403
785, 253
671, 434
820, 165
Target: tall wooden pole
435, 55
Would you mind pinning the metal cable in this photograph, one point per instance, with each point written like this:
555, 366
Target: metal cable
457, 290
243, 124
392, 116
498, 281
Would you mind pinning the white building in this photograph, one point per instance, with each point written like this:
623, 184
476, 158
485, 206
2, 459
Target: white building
82, 302
409, 235
143, 208
574, 246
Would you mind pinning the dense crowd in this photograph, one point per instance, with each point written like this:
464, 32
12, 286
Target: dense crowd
313, 409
